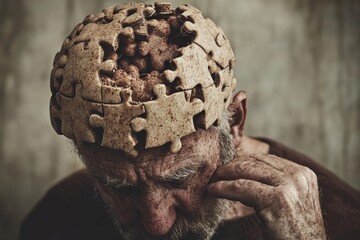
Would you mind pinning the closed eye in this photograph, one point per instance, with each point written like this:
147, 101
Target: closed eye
116, 185
181, 178
180, 183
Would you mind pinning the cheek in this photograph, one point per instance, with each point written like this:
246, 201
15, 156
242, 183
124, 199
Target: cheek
193, 198
122, 206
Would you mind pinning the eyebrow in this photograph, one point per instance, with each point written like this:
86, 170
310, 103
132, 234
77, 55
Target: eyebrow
181, 173
115, 182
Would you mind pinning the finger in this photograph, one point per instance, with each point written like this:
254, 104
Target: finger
276, 162
251, 193
249, 168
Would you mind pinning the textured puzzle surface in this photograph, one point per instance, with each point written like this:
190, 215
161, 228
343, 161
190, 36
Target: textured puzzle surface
74, 116
141, 67
188, 73
176, 110
116, 124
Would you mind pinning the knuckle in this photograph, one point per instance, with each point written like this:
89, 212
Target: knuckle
241, 185
244, 165
281, 193
299, 181
304, 175
285, 196
310, 174
237, 184
238, 167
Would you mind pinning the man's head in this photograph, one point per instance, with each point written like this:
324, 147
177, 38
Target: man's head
142, 89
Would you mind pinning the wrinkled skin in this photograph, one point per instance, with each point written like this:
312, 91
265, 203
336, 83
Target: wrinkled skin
283, 194
152, 204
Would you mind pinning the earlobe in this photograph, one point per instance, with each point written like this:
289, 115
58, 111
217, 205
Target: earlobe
238, 108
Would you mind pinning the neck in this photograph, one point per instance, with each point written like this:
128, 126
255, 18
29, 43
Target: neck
252, 146
248, 146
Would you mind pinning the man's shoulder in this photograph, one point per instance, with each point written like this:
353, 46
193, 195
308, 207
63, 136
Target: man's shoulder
72, 189
69, 210
71, 192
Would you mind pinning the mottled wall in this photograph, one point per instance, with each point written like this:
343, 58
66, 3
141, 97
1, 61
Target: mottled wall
298, 59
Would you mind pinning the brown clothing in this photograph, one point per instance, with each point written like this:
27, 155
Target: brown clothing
69, 210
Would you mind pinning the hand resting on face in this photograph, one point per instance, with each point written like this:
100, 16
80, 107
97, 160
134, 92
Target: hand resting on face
284, 194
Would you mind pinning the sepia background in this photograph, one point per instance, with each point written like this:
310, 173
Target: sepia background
299, 61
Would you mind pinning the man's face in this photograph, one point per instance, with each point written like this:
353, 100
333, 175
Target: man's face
159, 195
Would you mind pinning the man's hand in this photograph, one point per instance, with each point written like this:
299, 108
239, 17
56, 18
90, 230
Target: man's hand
284, 194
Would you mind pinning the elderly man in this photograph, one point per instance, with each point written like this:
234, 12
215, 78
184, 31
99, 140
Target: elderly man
144, 91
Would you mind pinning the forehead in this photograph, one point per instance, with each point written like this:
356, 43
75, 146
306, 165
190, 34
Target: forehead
201, 146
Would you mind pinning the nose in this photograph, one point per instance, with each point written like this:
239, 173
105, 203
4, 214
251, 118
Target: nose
158, 210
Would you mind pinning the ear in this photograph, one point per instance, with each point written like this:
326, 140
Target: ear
238, 108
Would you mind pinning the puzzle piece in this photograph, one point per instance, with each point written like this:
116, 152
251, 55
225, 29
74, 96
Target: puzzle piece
91, 18
213, 106
103, 32
83, 67
55, 113
135, 19
76, 30
227, 92
191, 68
187, 10
85, 57
130, 5
116, 124
109, 13
163, 8
224, 77
209, 37
110, 94
135, 14
217, 97
55, 79
56, 76
74, 114
137, 8
169, 118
